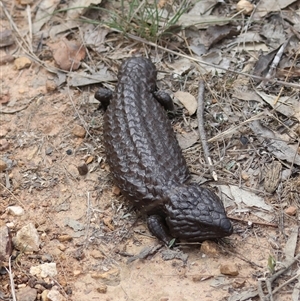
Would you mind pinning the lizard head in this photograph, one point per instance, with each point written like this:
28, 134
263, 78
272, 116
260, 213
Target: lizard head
195, 214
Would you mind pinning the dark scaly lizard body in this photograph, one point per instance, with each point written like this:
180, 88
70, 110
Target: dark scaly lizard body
147, 164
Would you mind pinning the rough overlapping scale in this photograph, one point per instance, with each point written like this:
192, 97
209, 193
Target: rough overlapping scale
147, 162
196, 213
142, 149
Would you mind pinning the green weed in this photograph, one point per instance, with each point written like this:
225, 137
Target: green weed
145, 19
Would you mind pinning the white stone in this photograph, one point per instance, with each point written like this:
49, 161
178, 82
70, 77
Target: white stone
10, 225
55, 295
44, 270
27, 239
15, 210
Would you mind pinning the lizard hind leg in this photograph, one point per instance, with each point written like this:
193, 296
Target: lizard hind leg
158, 228
104, 96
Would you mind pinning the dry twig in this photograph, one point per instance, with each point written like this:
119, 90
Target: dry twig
200, 117
271, 279
11, 278
255, 223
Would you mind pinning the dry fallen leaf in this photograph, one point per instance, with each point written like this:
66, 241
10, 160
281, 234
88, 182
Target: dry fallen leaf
203, 7
68, 54
262, 65
266, 6
245, 6
95, 38
288, 106
78, 79
247, 199
188, 100
216, 58
215, 34
279, 148
181, 66
81, 7
44, 13
6, 38
187, 140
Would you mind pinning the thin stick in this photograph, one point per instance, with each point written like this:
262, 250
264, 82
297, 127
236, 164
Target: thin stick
88, 220
270, 280
11, 278
18, 200
202, 134
28, 11
256, 223
285, 283
235, 128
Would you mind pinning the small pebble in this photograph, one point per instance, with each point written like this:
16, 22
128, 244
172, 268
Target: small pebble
4, 145
39, 288
102, 289
89, 160
15, 210
244, 176
46, 258
82, 169
3, 165
10, 225
291, 211
244, 140
62, 247
116, 191
44, 295
79, 131
239, 283
22, 62
209, 248
76, 272
3, 132
27, 239
68, 290
22, 285
55, 295
229, 269
48, 151
108, 222
111, 277
197, 278
97, 254
56, 252
4, 98
27, 2
65, 237
8, 58
50, 86
69, 152
44, 270
26, 294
